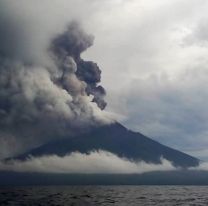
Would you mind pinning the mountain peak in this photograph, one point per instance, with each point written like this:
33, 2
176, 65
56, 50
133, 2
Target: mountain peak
118, 140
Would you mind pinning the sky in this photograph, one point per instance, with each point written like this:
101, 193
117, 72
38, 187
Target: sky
152, 54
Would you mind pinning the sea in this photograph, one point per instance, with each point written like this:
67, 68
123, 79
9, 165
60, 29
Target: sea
103, 195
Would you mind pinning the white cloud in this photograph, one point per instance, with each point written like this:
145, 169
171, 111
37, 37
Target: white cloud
202, 167
95, 162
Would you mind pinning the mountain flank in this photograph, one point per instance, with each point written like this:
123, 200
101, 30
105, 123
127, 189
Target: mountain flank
116, 139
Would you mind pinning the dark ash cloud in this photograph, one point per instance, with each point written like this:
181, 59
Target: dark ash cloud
47, 97
72, 43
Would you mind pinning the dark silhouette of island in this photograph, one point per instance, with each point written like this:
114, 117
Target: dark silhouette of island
116, 139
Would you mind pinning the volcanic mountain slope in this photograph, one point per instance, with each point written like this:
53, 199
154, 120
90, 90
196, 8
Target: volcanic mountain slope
116, 139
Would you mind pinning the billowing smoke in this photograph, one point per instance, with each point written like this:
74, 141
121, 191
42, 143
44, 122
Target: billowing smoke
50, 98
71, 44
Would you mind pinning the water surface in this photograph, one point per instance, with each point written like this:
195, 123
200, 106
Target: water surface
104, 195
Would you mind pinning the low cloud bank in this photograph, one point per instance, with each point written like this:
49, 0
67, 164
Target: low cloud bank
95, 162
203, 166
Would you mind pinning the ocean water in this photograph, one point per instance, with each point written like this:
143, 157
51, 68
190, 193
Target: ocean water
104, 195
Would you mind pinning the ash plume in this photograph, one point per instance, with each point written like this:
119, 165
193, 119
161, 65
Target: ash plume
40, 101
72, 43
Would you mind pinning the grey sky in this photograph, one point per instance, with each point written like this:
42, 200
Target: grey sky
153, 57
154, 60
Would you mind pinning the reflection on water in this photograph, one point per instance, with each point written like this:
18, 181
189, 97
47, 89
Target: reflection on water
104, 195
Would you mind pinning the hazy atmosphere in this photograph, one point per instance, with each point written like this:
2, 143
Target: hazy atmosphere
103, 102
67, 66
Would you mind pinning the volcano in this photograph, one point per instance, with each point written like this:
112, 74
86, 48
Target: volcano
116, 139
